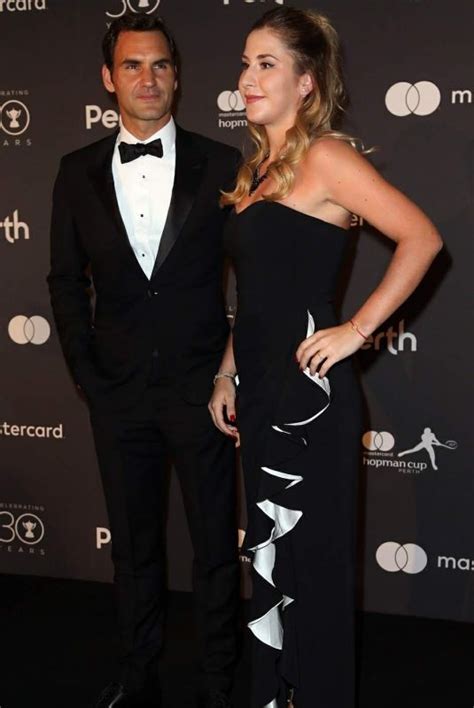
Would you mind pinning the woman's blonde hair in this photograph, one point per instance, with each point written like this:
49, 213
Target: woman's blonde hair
314, 44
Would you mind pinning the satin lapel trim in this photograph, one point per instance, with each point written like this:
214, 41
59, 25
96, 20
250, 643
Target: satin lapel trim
102, 178
188, 172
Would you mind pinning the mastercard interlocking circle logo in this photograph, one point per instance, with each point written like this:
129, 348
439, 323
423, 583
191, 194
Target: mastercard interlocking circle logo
420, 99
408, 558
29, 330
230, 101
380, 442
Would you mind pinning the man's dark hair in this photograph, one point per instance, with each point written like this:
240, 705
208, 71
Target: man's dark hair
135, 22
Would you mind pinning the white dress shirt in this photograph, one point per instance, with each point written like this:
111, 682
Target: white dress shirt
143, 187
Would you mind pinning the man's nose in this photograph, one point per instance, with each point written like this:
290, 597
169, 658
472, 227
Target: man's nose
148, 76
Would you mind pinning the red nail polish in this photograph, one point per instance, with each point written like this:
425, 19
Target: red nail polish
232, 418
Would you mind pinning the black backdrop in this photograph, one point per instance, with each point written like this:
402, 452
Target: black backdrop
409, 74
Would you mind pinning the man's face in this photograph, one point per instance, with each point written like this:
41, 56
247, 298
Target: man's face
143, 77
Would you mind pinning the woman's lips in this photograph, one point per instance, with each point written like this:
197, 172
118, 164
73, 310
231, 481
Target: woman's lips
252, 99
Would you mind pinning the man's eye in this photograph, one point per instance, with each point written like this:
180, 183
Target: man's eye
132, 66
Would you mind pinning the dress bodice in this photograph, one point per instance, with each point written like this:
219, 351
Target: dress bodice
286, 264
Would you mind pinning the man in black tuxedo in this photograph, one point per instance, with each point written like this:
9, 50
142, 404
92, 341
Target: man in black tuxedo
138, 213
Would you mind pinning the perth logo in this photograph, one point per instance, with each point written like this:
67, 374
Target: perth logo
231, 110
102, 537
94, 114
145, 6
14, 229
14, 117
408, 558
22, 5
29, 330
420, 99
394, 339
379, 451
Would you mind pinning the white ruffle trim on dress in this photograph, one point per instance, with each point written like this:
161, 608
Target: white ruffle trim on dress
269, 627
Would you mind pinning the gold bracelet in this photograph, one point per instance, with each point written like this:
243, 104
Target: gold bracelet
224, 375
356, 329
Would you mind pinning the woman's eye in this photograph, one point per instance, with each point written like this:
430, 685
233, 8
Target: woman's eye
244, 65
266, 65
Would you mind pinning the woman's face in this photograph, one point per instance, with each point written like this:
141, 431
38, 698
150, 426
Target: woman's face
271, 89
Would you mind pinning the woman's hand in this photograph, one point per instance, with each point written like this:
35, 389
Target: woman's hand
326, 347
223, 403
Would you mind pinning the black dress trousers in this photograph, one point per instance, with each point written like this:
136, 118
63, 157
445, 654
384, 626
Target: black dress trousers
133, 448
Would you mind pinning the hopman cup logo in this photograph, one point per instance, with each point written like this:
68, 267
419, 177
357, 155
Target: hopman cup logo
379, 451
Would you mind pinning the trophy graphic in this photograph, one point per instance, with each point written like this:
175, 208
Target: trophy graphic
30, 527
14, 114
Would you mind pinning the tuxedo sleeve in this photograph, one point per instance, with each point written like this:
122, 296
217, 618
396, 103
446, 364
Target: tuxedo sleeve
69, 282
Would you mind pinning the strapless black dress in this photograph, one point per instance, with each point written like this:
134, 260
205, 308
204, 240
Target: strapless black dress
300, 449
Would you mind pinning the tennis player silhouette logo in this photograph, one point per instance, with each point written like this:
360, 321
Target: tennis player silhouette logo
428, 442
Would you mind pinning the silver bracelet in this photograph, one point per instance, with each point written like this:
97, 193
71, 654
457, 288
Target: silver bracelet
223, 375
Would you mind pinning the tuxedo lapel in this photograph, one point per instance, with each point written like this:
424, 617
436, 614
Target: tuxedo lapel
101, 176
190, 163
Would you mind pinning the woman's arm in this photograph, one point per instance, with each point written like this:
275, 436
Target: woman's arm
351, 182
223, 399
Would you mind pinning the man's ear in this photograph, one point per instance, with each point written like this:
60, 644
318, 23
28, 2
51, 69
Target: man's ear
107, 79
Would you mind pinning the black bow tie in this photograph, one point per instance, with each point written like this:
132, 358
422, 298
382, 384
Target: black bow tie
130, 152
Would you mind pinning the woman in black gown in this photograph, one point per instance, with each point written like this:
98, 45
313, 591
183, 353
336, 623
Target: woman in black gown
298, 409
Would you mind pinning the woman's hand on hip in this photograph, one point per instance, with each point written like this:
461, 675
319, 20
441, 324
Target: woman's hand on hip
326, 347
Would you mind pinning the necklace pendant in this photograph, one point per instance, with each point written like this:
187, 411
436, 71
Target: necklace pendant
256, 182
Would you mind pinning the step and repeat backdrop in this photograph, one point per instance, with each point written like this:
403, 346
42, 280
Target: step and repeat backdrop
408, 66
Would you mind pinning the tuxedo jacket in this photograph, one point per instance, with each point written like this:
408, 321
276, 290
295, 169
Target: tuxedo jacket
177, 318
